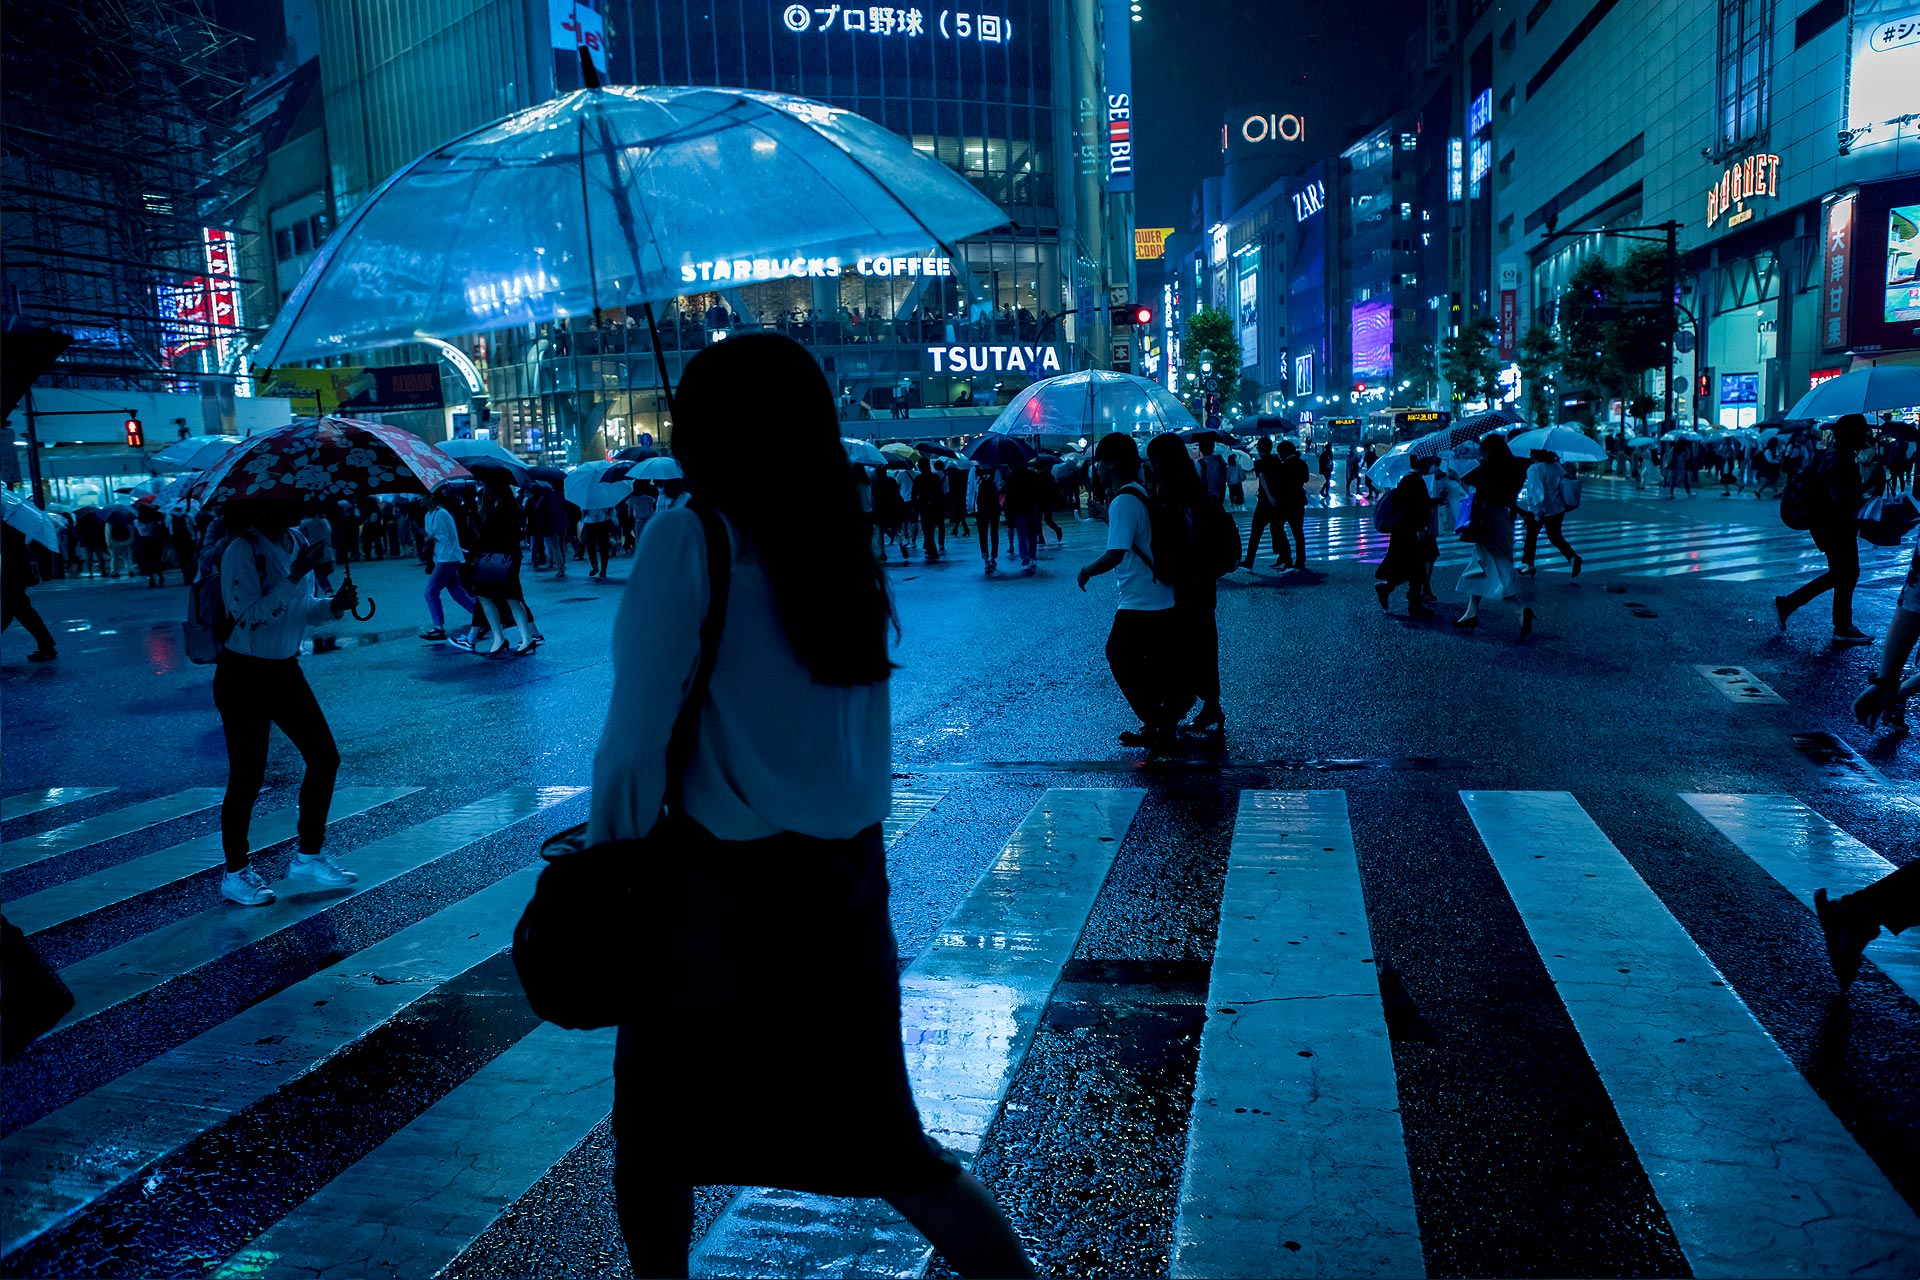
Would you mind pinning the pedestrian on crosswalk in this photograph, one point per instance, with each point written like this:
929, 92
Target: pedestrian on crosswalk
1178, 490
1679, 467
1885, 699
1266, 483
257, 684
449, 562
1141, 645
1833, 498
1544, 506
1496, 484
780, 798
1408, 514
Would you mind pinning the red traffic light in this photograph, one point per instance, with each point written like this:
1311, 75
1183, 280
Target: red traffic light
1131, 313
136, 434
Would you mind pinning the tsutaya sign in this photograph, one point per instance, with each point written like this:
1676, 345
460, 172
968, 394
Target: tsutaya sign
1754, 176
747, 270
997, 359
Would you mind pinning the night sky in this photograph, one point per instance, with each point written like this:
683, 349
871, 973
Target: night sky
1341, 63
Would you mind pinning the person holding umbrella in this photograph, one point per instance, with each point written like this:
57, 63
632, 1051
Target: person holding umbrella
1409, 522
1141, 642
1546, 508
257, 684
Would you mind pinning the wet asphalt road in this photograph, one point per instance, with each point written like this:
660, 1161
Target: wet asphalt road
1520, 1166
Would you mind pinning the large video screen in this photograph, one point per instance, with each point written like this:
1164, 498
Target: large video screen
1886, 267
1903, 263
1373, 339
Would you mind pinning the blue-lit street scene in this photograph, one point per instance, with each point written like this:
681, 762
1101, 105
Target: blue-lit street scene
1075, 638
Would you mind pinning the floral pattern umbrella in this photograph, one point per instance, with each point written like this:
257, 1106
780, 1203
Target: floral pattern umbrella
329, 458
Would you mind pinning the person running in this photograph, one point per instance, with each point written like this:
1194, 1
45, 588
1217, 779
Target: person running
1496, 486
1409, 520
449, 560
1178, 494
1266, 483
1833, 498
985, 501
16, 575
1140, 645
775, 816
257, 684
596, 531
1546, 490
930, 499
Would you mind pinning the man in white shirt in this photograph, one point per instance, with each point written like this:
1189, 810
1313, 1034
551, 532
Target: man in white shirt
1140, 648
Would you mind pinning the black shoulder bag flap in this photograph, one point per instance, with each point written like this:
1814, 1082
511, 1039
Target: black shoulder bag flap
579, 945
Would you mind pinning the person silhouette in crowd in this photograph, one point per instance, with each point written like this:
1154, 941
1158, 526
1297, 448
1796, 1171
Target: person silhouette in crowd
1833, 498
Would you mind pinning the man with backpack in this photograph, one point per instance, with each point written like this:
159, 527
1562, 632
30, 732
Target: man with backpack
1824, 499
1140, 644
255, 568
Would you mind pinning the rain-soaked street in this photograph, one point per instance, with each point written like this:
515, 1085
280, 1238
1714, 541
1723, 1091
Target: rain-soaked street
1456, 955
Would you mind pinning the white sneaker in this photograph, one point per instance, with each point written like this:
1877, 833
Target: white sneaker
320, 869
246, 888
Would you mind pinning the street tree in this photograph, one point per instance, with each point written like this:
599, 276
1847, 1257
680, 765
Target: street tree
1584, 347
1539, 361
1467, 362
1211, 329
1421, 371
1637, 339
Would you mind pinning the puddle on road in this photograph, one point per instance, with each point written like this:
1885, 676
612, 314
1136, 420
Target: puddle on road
1738, 684
1835, 759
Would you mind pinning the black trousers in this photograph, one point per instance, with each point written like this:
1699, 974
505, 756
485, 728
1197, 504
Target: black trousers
1199, 644
599, 540
1841, 547
1552, 525
933, 527
1141, 654
987, 519
252, 695
1264, 516
14, 604
1892, 901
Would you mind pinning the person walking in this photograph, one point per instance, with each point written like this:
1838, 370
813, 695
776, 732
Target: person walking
1409, 523
1496, 484
930, 498
1367, 458
1050, 501
1178, 495
1140, 645
1886, 695
957, 477
554, 530
596, 531
1833, 498
1679, 467
1266, 484
257, 684
1213, 473
1236, 482
1326, 471
449, 561
120, 523
986, 515
1544, 506
1353, 471
774, 810
16, 575
496, 570
1290, 504
1024, 494
317, 531
90, 534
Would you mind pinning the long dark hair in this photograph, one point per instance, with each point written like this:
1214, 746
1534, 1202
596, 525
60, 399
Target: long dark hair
1174, 475
829, 591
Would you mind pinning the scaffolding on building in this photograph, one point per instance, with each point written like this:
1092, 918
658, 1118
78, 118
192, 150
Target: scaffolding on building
123, 139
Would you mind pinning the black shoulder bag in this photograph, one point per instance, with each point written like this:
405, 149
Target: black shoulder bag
575, 947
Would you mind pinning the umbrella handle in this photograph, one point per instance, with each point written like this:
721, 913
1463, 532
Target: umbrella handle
346, 576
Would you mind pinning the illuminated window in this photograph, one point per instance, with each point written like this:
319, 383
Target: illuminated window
1746, 27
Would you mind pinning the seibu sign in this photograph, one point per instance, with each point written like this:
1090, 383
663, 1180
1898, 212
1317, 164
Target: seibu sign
995, 359
1739, 183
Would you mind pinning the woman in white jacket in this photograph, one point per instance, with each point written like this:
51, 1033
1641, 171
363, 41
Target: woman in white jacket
1543, 505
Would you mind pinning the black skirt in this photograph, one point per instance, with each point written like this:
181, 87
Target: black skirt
772, 1054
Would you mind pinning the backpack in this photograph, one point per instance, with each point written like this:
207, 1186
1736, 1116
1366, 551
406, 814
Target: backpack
208, 624
1804, 496
1190, 544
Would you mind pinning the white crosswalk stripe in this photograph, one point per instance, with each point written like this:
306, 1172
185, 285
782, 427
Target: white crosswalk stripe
1296, 1160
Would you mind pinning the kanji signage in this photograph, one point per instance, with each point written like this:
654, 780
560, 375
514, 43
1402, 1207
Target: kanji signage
1739, 183
1836, 273
909, 24
223, 293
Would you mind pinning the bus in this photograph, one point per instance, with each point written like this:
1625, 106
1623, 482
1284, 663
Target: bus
1392, 426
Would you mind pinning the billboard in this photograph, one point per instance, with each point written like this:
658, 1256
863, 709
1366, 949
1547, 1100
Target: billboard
1119, 96
1306, 266
1902, 298
1372, 340
1150, 243
1249, 298
1836, 273
1886, 67
1884, 307
356, 391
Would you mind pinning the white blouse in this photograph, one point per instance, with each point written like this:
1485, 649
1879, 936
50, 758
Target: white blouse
775, 751
270, 615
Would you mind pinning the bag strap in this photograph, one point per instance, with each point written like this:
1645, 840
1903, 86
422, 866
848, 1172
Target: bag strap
686, 725
1133, 488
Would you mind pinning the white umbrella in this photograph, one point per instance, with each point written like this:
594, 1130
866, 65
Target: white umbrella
1565, 444
196, 453
1640, 442
594, 485
1874, 389
1456, 439
656, 469
33, 523
484, 454
862, 453
1090, 402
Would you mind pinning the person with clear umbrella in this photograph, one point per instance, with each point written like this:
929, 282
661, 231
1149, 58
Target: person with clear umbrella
1495, 484
1544, 506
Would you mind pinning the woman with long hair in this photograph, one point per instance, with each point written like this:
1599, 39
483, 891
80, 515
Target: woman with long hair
1176, 485
1496, 484
776, 819
497, 581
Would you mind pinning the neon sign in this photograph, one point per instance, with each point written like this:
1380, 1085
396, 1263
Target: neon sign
885, 20
1480, 112
996, 359
1274, 128
1739, 183
1309, 200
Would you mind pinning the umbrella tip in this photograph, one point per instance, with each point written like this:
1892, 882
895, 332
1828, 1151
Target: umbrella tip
589, 74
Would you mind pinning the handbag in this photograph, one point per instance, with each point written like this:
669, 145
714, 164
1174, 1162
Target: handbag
578, 947
492, 569
1465, 524
1885, 522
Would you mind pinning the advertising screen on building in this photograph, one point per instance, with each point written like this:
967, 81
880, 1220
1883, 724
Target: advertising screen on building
1903, 263
1885, 262
1886, 67
1249, 298
1739, 388
1373, 339
1306, 265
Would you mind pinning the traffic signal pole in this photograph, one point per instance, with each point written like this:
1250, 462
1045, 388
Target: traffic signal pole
1673, 323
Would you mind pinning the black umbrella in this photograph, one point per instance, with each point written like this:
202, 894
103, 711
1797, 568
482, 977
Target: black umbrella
636, 453
937, 450
1200, 435
548, 475
1048, 458
119, 514
998, 450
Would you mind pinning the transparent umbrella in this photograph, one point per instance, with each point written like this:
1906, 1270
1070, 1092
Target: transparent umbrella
613, 197
1093, 402
197, 453
1862, 391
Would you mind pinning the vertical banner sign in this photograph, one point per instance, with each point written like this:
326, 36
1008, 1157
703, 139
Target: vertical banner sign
1836, 272
1119, 97
1509, 310
223, 294
576, 25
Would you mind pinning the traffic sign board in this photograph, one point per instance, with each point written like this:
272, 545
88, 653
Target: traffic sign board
1683, 342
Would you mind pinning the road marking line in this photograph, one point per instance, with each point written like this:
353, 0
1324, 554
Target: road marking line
60, 1165
1296, 1161
1755, 1173
28, 803
909, 806
1803, 851
100, 828
1738, 684
970, 1006
174, 951
113, 885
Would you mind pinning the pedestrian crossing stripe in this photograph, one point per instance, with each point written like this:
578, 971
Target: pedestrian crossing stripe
1756, 1174
28, 803
101, 828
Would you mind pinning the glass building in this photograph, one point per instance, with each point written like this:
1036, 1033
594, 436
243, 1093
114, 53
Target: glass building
1004, 96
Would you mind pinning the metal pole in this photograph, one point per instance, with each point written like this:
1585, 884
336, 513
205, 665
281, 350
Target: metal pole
1673, 254
33, 456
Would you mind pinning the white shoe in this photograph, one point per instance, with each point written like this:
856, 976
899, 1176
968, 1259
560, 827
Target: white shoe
246, 888
320, 869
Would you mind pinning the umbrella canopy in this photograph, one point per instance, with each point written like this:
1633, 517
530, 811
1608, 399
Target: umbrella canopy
994, 450
464, 451
1640, 442
613, 196
548, 475
1568, 446
178, 497
636, 453
936, 450
1870, 390
329, 458
1093, 401
1455, 440
901, 453
862, 453
120, 513
593, 485
33, 523
1199, 435
197, 453
151, 485
656, 469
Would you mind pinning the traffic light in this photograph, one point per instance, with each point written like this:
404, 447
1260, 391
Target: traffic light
1130, 314
1703, 383
136, 434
